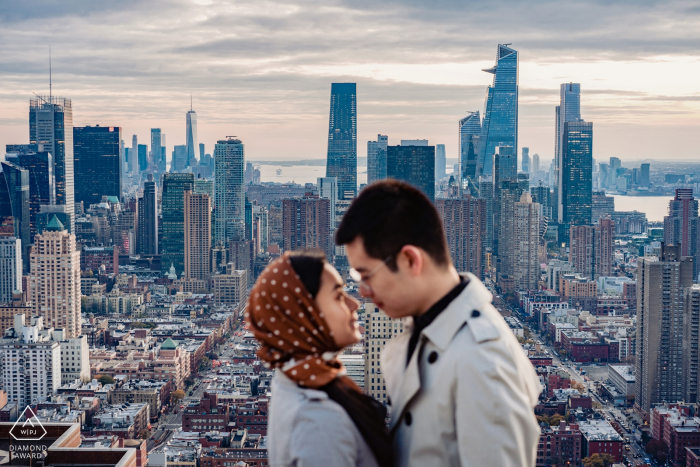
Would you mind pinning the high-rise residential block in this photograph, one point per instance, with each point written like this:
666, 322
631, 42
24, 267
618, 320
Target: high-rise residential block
601, 206
10, 267
604, 247
197, 235
414, 165
154, 155
500, 124
54, 278
469, 134
147, 231
191, 138
681, 224
486, 193
582, 249
51, 129
134, 155
661, 282
542, 195
691, 343
231, 288
576, 173
526, 160
242, 255
307, 225
504, 245
97, 162
526, 270
261, 234
342, 139
463, 220
379, 328
229, 159
328, 188
376, 159
504, 171
440, 162
172, 243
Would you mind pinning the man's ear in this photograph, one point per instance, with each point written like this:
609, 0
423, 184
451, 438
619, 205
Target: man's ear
411, 258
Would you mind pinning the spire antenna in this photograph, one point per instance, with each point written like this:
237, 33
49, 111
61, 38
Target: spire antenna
50, 83
190, 102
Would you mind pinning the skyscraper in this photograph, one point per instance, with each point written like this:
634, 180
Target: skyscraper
51, 129
342, 139
328, 188
681, 224
10, 267
469, 133
604, 250
463, 220
229, 158
659, 357
582, 249
503, 171
526, 242
134, 156
526, 160
42, 190
504, 244
197, 235
691, 343
147, 242
500, 125
155, 147
191, 137
440, 162
14, 205
97, 163
644, 175
172, 243
568, 110
376, 159
143, 157
54, 278
179, 158
576, 174
486, 193
307, 225
414, 165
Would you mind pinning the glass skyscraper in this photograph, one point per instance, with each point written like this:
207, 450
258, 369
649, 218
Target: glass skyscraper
191, 137
376, 159
568, 110
440, 162
51, 129
342, 139
500, 125
155, 146
172, 242
469, 133
97, 163
576, 177
229, 160
14, 205
42, 190
413, 164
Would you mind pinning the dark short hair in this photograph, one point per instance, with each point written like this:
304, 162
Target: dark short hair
390, 214
309, 265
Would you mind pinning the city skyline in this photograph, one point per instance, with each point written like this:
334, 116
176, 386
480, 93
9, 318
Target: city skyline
634, 73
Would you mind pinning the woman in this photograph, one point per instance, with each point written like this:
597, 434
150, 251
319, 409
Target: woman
302, 317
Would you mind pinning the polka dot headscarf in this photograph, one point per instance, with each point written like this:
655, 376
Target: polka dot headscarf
294, 335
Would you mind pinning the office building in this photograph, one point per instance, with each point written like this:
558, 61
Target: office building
414, 165
691, 343
205, 187
659, 356
379, 328
231, 288
328, 188
229, 158
47, 213
526, 270
542, 195
644, 176
526, 160
261, 235
604, 247
307, 225
162, 162
172, 243
42, 189
197, 235
440, 162
601, 206
681, 224
576, 174
179, 158
30, 363
504, 170
568, 110
342, 139
10, 267
134, 156
54, 278
500, 124
376, 159
154, 157
242, 255
147, 231
14, 206
191, 138
143, 157
463, 220
51, 129
97, 162
469, 134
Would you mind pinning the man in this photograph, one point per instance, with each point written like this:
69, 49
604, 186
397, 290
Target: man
462, 391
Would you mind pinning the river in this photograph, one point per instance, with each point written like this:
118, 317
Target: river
655, 207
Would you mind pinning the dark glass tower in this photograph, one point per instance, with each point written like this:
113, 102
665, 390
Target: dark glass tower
143, 157
469, 133
51, 129
172, 244
147, 242
42, 190
500, 125
576, 178
14, 195
342, 139
97, 163
413, 164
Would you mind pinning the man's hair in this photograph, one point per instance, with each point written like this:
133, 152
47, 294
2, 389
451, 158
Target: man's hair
390, 214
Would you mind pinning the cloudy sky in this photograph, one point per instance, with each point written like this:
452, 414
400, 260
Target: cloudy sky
262, 70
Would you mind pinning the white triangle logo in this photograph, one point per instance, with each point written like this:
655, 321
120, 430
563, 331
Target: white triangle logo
28, 427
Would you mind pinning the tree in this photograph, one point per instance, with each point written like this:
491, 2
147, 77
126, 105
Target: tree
598, 460
204, 363
144, 434
551, 420
655, 447
578, 386
176, 396
105, 379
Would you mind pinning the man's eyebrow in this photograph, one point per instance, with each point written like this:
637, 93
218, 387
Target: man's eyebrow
337, 286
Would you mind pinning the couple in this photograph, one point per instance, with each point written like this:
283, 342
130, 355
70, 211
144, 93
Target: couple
462, 391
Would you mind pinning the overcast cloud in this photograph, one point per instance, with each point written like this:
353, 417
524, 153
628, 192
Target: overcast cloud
262, 70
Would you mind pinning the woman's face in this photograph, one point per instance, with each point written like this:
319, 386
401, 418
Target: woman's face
339, 310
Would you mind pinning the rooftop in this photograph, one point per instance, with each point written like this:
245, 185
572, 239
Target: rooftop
599, 430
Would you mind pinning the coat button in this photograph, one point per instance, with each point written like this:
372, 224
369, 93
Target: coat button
408, 418
432, 357
476, 314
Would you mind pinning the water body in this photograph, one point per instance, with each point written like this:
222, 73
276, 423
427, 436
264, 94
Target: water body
655, 207
300, 174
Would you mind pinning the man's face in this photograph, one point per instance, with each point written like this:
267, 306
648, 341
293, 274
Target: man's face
390, 290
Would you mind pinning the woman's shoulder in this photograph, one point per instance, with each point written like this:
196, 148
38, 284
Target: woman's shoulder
290, 397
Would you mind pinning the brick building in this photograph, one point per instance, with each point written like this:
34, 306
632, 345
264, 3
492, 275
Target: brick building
563, 441
253, 417
92, 258
599, 436
208, 414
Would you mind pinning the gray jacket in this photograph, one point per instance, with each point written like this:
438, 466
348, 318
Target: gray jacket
308, 429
